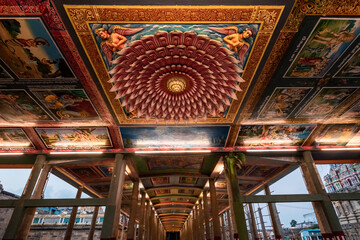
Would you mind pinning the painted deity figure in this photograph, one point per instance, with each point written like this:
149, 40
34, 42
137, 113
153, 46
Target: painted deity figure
235, 40
114, 40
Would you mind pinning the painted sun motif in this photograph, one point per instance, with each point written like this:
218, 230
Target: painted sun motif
176, 76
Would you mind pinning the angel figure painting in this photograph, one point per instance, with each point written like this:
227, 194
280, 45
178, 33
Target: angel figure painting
113, 39
235, 40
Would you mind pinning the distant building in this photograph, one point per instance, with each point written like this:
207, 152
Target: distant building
344, 178
5, 213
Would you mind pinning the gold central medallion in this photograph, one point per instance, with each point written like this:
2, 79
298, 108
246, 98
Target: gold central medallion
176, 84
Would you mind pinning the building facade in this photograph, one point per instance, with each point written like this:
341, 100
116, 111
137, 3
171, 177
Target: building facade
344, 178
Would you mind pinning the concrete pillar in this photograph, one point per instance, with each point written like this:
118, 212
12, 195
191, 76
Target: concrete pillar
253, 222
222, 224
201, 221
275, 220
214, 210
230, 225
72, 219
326, 216
123, 228
30, 212
19, 210
194, 225
142, 215
152, 225
147, 221
133, 211
112, 213
93, 223
263, 229
206, 215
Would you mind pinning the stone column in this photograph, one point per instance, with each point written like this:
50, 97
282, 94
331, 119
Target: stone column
263, 229
72, 219
206, 215
201, 221
133, 211
222, 224
275, 220
253, 223
112, 213
30, 212
147, 220
214, 210
228, 214
152, 225
142, 215
93, 223
326, 216
194, 225
19, 210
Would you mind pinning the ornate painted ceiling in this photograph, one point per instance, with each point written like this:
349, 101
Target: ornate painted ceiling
128, 78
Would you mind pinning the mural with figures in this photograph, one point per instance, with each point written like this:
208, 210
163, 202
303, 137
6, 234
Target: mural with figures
174, 137
282, 102
68, 104
325, 102
327, 42
277, 135
75, 138
18, 105
353, 112
14, 139
337, 135
29, 51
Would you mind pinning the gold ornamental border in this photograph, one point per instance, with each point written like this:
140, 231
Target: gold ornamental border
81, 15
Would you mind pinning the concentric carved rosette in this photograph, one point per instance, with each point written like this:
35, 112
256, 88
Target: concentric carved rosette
216, 95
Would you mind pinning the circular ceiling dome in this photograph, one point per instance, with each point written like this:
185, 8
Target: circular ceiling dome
175, 76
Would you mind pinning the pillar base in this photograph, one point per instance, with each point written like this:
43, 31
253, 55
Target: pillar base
107, 238
327, 236
217, 238
236, 236
340, 235
278, 237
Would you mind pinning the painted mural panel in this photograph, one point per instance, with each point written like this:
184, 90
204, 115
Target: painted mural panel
186, 191
174, 137
75, 138
162, 192
18, 105
68, 104
282, 102
188, 180
274, 135
29, 51
325, 101
337, 135
329, 39
355, 141
128, 185
160, 180
352, 68
162, 163
14, 139
353, 112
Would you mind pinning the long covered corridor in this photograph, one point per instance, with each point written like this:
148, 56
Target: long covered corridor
173, 117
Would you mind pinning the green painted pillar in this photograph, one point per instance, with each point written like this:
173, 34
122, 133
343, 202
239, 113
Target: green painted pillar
112, 212
231, 162
19, 210
253, 223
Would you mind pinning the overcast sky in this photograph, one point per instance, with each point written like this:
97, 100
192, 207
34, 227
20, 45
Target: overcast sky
13, 180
